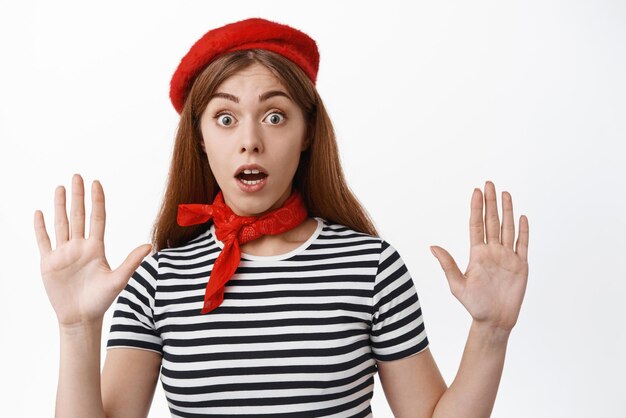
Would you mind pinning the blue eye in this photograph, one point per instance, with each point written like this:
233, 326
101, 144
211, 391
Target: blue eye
275, 118
225, 119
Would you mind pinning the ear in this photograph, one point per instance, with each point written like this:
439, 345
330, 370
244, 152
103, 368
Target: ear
306, 142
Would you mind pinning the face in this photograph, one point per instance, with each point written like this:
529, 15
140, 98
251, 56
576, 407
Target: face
253, 135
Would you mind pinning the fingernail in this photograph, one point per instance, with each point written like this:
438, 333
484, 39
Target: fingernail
433, 251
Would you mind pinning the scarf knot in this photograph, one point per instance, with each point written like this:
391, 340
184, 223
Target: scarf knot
234, 230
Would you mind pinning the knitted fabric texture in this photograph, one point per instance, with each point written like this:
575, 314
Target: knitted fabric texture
246, 34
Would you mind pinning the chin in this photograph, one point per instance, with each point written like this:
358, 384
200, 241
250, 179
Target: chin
256, 203
252, 206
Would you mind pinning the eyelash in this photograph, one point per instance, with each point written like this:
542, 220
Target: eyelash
278, 112
223, 112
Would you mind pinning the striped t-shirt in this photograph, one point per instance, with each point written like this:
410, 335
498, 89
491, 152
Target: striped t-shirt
297, 335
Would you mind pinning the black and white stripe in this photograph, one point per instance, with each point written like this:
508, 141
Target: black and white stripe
298, 335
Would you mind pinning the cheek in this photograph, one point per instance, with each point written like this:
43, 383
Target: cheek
295, 139
217, 161
290, 159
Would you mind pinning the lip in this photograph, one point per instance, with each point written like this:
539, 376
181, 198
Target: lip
250, 167
251, 188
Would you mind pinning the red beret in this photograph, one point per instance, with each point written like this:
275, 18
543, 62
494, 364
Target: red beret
252, 33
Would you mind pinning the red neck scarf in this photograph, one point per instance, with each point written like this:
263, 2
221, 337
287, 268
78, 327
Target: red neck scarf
234, 230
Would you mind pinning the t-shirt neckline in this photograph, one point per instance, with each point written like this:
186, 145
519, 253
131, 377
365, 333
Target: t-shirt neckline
284, 256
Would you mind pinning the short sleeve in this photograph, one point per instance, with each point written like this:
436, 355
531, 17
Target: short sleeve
133, 316
397, 323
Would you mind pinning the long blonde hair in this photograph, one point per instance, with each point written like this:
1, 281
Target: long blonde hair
319, 176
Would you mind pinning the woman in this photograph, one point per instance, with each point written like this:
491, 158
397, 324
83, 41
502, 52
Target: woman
269, 293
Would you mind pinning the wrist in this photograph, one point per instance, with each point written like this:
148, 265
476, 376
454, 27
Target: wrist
491, 333
81, 329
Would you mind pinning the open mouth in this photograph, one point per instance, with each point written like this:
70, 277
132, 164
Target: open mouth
251, 176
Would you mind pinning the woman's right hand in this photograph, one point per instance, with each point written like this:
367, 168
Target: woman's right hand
78, 280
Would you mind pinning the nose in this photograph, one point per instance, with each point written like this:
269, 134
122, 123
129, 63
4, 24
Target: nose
251, 139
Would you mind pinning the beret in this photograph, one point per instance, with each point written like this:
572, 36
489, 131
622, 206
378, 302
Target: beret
254, 33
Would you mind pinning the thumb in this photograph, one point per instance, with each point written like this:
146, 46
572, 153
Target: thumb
453, 274
131, 263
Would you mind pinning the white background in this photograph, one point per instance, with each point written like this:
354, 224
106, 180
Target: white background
428, 103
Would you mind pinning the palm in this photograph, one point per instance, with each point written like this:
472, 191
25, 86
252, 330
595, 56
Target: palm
78, 280
493, 285
90, 289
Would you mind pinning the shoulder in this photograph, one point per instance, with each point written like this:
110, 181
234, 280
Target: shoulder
332, 229
205, 238
383, 253
191, 252
338, 234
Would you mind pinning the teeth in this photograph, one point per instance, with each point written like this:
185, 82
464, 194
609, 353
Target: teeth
250, 182
254, 171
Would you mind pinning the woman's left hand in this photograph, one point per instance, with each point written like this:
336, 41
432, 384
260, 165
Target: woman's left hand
493, 285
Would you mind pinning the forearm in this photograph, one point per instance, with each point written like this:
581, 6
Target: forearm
473, 391
78, 392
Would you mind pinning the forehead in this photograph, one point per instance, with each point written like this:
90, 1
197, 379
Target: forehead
254, 78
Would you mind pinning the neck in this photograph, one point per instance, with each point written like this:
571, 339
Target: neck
270, 245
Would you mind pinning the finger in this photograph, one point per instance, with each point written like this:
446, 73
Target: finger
77, 213
521, 247
453, 274
492, 222
508, 223
97, 220
43, 240
477, 228
60, 217
124, 272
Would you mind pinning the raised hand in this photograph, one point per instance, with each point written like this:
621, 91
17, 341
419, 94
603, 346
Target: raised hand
78, 280
493, 285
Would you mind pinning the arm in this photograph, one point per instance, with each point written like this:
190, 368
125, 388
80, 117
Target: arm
473, 391
414, 387
78, 390
492, 290
81, 286
129, 378
127, 384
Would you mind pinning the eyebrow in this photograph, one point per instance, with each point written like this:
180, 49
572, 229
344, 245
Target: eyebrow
263, 97
226, 96
273, 93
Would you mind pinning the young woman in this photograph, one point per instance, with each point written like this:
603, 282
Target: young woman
269, 292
